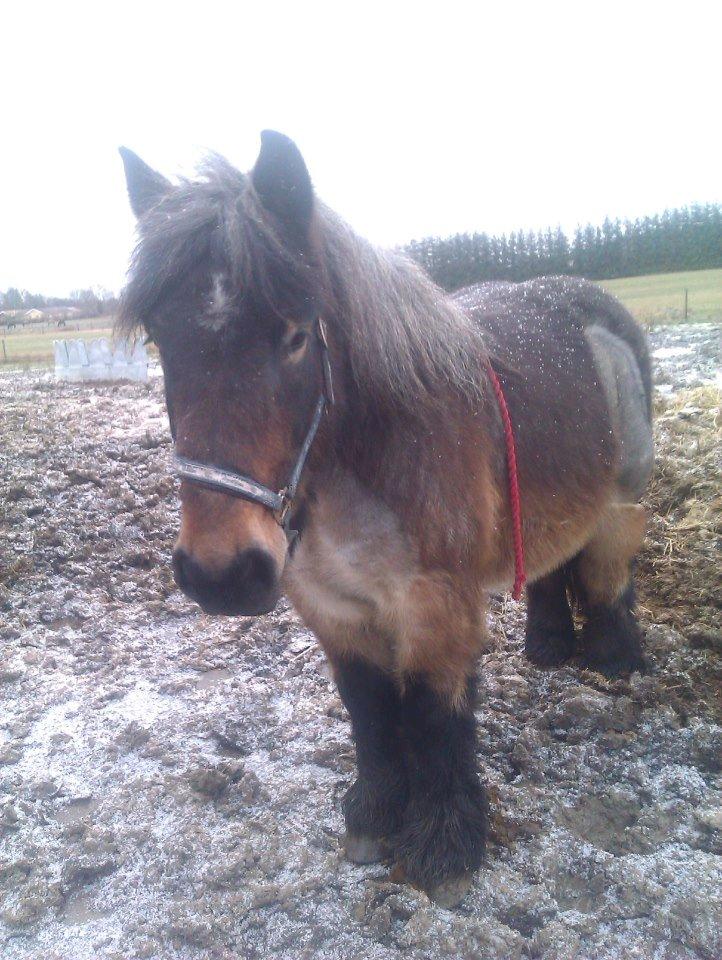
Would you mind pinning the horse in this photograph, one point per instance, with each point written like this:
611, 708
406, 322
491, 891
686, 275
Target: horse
340, 438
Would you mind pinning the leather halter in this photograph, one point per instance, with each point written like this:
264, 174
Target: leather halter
246, 488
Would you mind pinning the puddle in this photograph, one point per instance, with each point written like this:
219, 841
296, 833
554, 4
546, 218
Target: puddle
212, 677
77, 810
142, 703
80, 910
60, 623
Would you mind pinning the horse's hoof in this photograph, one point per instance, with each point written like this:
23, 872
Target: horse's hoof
621, 666
360, 849
612, 642
451, 892
549, 648
554, 653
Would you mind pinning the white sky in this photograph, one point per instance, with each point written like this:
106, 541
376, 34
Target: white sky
414, 118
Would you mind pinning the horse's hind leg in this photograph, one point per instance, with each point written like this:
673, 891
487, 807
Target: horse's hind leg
445, 823
375, 802
550, 638
603, 581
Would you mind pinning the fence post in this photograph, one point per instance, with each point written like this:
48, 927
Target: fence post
686, 292
5, 356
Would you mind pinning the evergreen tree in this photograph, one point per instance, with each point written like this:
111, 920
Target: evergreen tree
682, 239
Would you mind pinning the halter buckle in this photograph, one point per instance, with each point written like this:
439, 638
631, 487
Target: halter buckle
282, 513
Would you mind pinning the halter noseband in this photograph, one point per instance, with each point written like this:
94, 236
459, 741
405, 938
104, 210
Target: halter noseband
239, 485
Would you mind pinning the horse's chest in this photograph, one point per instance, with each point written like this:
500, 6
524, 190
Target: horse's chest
350, 574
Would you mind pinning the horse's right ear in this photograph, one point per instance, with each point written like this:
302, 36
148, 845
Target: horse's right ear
145, 185
281, 180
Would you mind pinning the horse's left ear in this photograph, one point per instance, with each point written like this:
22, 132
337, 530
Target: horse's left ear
281, 180
145, 185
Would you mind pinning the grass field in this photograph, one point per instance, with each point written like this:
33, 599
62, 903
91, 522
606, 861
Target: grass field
660, 298
22, 346
654, 299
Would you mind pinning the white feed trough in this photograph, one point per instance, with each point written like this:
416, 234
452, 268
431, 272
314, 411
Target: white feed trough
79, 362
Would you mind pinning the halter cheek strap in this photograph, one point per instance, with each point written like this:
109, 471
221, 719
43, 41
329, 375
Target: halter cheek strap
246, 488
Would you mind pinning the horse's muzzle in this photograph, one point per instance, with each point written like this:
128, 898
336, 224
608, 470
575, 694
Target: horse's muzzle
249, 586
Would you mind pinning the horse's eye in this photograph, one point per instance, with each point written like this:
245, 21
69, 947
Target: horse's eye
296, 342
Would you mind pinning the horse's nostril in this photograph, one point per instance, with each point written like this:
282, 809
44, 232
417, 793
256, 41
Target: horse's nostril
179, 562
183, 569
248, 586
257, 566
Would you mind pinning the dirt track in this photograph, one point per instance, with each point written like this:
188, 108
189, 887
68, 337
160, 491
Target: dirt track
170, 782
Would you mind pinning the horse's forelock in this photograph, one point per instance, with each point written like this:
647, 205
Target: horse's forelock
204, 227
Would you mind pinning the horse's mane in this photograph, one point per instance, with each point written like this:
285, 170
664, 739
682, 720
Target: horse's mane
406, 339
406, 342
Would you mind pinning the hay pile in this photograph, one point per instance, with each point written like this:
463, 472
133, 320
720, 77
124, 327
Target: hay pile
680, 566
679, 569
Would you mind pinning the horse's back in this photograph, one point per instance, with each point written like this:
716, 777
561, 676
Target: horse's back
575, 363
551, 308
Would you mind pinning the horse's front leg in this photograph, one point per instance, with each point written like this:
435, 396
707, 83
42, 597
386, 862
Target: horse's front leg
445, 823
374, 804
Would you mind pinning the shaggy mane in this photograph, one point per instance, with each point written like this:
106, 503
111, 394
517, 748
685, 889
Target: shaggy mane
405, 341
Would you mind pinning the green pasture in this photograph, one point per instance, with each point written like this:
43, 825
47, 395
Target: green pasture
659, 298
33, 345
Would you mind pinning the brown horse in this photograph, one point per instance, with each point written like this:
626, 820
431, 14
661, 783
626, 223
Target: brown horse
291, 348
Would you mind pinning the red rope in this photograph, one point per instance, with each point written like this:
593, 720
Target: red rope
514, 495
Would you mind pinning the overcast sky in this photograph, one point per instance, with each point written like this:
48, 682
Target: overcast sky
414, 119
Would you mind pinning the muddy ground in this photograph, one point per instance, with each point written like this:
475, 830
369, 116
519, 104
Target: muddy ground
170, 782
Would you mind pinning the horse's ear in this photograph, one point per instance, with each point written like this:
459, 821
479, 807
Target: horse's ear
281, 180
145, 185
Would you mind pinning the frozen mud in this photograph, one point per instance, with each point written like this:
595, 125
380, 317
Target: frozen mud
170, 783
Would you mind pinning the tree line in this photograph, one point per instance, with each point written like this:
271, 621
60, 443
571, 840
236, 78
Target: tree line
93, 301
688, 238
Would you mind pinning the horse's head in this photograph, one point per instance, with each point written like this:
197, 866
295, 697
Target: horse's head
225, 281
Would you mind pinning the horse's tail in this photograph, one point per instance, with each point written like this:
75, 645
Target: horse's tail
589, 304
619, 321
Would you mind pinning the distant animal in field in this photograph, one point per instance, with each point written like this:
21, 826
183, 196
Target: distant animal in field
340, 438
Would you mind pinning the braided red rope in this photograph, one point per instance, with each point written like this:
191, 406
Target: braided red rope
514, 495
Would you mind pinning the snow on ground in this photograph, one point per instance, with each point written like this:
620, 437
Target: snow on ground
170, 783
